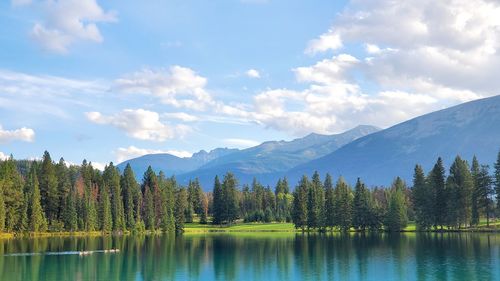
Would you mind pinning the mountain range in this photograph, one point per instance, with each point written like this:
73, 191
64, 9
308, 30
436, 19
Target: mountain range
375, 155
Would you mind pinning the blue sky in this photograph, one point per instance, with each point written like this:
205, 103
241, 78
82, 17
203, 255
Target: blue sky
110, 80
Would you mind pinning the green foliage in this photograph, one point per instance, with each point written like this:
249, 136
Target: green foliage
459, 187
37, 221
423, 200
111, 177
181, 201
105, 211
364, 213
300, 198
342, 205
315, 203
49, 187
397, 217
329, 202
436, 181
497, 183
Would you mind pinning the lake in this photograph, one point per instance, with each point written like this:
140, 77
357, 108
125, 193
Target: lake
255, 256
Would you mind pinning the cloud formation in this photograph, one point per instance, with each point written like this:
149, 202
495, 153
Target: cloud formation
130, 152
66, 22
253, 73
177, 86
22, 134
140, 124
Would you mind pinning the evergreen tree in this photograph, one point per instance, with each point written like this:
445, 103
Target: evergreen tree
204, 213
475, 193
168, 187
2, 210
105, 211
482, 190
230, 198
48, 188
459, 187
300, 198
111, 178
11, 183
497, 182
438, 194
218, 201
37, 221
149, 209
329, 202
180, 209
131, 193
70, 212
63, 187
362, 207
423, 200
397, 218
315, 203
343, 205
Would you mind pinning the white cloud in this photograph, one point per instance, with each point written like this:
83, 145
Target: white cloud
253, 73
328, 41
140, 124
240, 143
327, 71
181, 116
98, 165
67, 22
177, 86
130, 152
22, 134
3, 156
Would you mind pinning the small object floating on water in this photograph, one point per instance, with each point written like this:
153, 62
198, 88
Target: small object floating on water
80, 253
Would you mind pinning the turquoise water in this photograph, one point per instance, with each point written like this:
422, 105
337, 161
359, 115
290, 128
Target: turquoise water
266, 256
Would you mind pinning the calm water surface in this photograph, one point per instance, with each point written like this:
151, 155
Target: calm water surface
266, 256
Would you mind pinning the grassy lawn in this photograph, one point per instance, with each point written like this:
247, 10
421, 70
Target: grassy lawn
240, 227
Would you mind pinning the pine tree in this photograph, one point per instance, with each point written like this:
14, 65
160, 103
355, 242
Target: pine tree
230, 197
12, 184
459, 187
2, 210
218, 201
180, 209
422, 196
105, 211
316, 203
438, 194
300, 198
169, 199
362, 207
131, 193
397, 217
329, 202
37, 221
148, 209
497, 182
204, 212
343, 205
475, 212
111, 177
63, 187
70, 212
48, 188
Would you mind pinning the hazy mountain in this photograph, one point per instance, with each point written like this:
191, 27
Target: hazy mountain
270, 158
467, 129
173, 165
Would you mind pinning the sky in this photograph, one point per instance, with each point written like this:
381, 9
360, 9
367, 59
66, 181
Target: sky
112, 80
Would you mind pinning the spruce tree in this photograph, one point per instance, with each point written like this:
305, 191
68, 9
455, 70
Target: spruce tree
12, 184
70, 212
397, 217
497, 183
362, 207
329, 202
105, 211
422, 197
316, 203
148, 209
180, 209
459, 187
131, 193
300, 198
343, 205
111, 177
475, 205
218, 201
438, 194
48, 188
37, 221
63, 188
204, 212
230, 197
2, 210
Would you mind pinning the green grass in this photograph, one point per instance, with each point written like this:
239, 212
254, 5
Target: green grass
240, 227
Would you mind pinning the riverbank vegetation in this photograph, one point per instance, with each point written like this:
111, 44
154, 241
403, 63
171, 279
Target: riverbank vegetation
43, 197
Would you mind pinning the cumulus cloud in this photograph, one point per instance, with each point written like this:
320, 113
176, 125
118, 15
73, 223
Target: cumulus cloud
22, 134
177, 86
420, 56
253, 73
130, 152
3, 156
67, 22
140, 124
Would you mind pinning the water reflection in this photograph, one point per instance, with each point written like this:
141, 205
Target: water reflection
266, 256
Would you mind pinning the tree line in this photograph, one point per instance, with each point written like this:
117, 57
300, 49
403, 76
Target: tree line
39, 196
